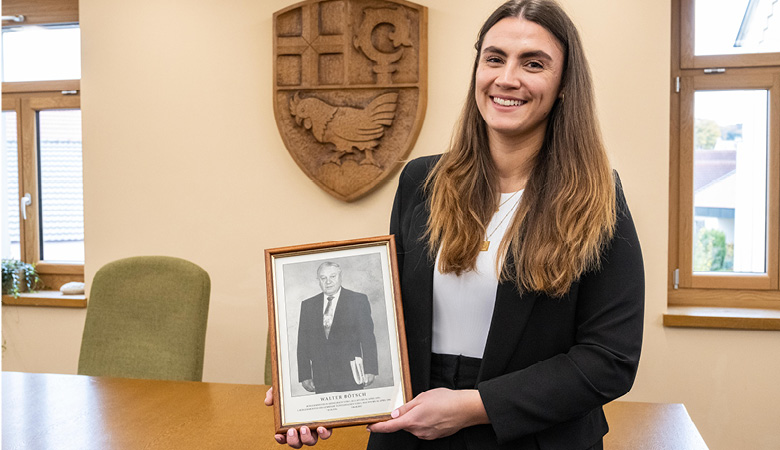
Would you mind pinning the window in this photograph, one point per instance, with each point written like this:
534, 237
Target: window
41, 176
37, 53
724, 230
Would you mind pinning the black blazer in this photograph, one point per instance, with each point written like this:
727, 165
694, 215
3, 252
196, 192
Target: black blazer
326, 361
549, 363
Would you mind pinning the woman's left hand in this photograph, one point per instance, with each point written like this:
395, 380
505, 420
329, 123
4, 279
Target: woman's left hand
297, 438
436, 413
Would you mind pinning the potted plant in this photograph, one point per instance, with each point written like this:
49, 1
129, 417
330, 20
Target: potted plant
19, 277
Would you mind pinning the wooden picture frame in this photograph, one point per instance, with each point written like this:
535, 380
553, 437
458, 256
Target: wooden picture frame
342, 366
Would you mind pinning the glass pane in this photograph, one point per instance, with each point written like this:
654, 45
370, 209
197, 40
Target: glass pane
37, 53
728, 27
11, 247
61, 185
730, 181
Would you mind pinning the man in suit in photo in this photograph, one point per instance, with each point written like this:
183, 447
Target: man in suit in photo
335, 333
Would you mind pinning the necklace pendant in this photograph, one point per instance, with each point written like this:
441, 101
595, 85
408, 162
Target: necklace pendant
485, 246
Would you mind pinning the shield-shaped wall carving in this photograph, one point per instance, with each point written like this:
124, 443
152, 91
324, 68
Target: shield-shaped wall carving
350, 88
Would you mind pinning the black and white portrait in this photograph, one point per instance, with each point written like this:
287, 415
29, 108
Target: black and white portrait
337, 342
331, 306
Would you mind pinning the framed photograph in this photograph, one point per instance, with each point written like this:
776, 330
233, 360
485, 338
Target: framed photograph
338, 346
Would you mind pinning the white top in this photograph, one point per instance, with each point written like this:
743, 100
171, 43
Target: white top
463, 305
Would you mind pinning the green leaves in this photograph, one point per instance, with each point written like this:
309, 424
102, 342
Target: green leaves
19, 277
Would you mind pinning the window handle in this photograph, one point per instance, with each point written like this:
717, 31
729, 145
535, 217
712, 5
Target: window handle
24, 202
17, 18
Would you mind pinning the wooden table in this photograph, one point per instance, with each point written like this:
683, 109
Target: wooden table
42, 411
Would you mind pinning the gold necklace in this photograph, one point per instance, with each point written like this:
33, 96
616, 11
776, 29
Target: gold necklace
486, 242
507, 200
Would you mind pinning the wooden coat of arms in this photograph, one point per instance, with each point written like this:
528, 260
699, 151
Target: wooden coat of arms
350, 88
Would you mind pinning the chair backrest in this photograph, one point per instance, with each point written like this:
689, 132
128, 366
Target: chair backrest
146, 318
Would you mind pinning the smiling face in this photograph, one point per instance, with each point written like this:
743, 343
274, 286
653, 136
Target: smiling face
518, 79
330, 279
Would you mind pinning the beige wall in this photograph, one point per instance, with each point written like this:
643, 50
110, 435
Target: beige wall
182, 157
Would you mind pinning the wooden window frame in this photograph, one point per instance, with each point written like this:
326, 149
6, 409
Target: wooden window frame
27, 105
689, 85
741, 301
685, 38
26, 98
42, 12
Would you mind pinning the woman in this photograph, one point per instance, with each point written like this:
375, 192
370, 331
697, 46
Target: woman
521, 272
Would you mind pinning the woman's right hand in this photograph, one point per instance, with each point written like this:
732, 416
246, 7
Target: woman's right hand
297, 438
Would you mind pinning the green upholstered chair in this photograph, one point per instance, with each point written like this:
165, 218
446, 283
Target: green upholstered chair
146, 318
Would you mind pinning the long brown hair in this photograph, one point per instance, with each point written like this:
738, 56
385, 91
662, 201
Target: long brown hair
567, 212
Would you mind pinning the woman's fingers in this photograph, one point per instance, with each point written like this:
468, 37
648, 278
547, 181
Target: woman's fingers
388, 426
324, 433
293, 440
398, 420
304, 436
307, 437
297, 438
435, 413
405, 408
269, 397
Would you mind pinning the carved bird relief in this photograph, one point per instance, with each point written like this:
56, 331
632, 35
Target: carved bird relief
349, 129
